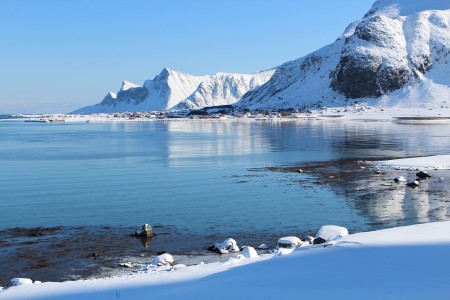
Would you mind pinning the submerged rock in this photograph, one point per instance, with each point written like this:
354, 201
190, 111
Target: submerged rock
422, 175
145, 231
413, 184
400, 179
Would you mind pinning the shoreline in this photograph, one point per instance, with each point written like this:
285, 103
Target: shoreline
343, 176
359, 112
388, 257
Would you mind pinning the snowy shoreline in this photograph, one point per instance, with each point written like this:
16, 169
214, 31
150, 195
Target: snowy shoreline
360, 112
404, 262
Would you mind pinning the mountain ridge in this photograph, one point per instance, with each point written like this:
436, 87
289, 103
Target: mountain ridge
169, 88
396, 54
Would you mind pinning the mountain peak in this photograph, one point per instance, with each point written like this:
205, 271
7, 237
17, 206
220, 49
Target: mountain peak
126, 85
396, 8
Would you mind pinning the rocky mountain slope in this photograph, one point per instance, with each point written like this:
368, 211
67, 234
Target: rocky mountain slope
398, 54
170, 87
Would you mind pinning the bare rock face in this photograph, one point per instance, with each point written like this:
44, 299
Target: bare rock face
374, 59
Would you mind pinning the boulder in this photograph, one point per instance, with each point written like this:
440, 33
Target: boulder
249, 252
227, 246
399, 179
289, 242
413, 184
144, 231
19, 281
263, 247
309, 240
163, 260
422, 175
318, 241
331, 232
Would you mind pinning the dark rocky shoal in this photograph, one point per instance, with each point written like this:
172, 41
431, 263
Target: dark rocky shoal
71, 253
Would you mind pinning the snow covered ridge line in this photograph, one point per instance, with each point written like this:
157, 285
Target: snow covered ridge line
410, 262
437, 162
171, 89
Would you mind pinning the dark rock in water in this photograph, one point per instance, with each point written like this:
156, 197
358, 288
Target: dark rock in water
144, 231
422, 175
212, 248
94, 255
318, 241
413, 184
399, 179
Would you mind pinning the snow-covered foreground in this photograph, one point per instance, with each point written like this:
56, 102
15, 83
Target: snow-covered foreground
437, 162
410, 262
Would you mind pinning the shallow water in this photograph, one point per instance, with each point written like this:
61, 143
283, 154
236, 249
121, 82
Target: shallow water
194, 179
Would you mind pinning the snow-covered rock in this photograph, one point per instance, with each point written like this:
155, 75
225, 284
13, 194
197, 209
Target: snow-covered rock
19, 281
249, 252
397, 55
263, 247
331, 232
227, 246
163, 260
170, 87
308, 239
289, 242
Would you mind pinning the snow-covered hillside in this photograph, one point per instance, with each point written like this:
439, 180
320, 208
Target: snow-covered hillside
223, 89
397, 55
170, 87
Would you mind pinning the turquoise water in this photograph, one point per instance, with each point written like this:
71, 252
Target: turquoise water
193, 175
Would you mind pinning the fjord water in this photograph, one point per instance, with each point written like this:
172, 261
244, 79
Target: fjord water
191, 174
198, 181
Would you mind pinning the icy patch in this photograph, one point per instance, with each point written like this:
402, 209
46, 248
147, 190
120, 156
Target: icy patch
438, 162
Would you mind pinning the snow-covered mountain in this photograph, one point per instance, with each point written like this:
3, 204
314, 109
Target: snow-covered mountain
223, 89
398, 54
170, 87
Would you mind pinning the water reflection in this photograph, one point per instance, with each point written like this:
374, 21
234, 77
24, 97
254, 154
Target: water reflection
386, 203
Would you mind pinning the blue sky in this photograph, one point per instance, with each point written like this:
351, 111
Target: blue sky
59, 55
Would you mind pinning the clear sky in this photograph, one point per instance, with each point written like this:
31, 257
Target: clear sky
60, 55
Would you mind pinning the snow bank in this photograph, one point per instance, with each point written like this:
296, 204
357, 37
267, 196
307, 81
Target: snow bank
401, 263
438, 162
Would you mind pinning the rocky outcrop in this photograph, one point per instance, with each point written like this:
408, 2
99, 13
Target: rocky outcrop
398, 53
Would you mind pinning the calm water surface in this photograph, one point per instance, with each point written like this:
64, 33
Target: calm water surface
195, 177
